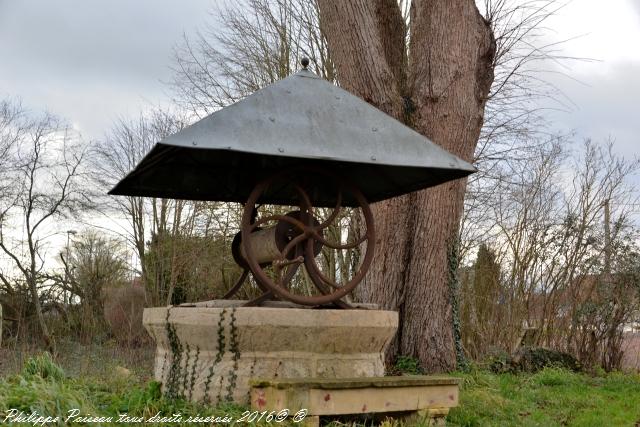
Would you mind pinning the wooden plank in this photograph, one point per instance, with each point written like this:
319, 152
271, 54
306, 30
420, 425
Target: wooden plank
391, 399
337, 383
311, 421
341, 401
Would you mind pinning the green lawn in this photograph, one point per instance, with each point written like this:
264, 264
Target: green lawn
552, 397
42, 387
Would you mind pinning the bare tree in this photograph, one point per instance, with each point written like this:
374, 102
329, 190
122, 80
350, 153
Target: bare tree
384, 52
515, 129
116, 155
92, 264
438, 84
168, 235
12, 127
46, 186
547, 227
245, 46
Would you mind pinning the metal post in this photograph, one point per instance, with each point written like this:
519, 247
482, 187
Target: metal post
67, 267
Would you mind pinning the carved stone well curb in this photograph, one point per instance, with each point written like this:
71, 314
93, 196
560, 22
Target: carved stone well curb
209, 354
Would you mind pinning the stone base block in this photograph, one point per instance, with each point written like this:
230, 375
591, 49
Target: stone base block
418, 399
209, 354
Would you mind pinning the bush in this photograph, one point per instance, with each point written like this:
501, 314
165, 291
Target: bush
499, 361
407, 365
533, 359
42, 388
44, 367
123, 307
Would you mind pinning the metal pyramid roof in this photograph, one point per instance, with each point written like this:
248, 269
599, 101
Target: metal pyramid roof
299, 121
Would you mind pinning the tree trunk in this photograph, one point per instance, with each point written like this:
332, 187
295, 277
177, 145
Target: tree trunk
31, 277
46, 336
438, 88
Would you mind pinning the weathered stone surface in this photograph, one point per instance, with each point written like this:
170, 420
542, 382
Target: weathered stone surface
273, 304
357, 395
210, 353
355, 383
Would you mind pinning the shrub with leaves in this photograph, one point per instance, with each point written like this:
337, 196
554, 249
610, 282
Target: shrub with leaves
44, 367
407, 365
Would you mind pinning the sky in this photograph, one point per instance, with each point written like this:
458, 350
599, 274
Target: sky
92, 61
604, 92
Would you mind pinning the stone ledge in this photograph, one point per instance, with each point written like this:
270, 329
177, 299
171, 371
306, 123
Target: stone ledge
346, 396
226, 303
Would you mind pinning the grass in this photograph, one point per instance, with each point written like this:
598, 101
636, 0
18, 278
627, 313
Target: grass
43, 388
551, 397
93, 360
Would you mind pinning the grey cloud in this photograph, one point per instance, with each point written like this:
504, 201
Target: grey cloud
96, 36
606, 105
91, 60
636, 5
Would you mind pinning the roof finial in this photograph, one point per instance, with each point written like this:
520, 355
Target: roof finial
305, 62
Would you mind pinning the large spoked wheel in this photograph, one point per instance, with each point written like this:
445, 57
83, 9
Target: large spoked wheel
305, 244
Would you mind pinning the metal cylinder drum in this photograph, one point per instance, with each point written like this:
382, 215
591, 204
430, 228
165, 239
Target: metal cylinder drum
267, 244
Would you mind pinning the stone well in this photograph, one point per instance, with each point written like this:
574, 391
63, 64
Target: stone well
209, 351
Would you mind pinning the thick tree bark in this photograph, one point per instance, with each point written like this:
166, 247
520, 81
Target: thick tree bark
352, 31
440, 91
